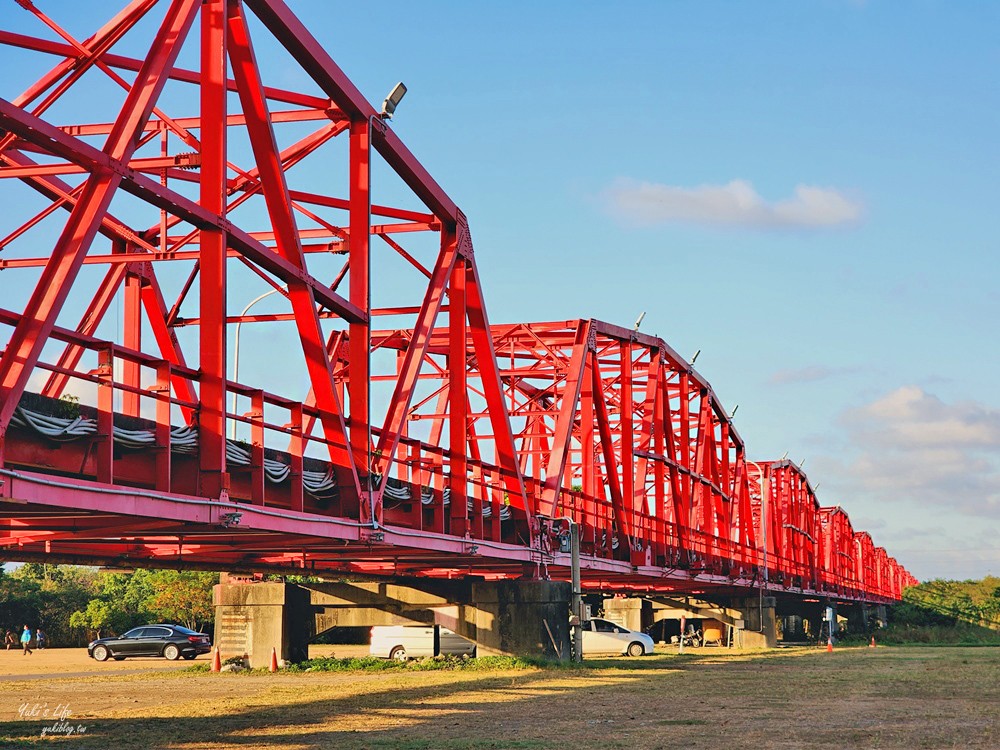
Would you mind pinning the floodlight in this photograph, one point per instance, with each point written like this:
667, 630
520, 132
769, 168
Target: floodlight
392, 101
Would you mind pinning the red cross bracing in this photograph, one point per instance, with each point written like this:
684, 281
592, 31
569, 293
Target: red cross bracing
388, 428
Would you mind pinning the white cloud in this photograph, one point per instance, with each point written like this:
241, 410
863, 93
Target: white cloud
910, 445
734, 204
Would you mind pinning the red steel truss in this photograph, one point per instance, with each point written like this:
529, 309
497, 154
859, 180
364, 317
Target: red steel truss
432, 444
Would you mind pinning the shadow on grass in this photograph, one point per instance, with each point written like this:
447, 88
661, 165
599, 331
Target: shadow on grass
307, 723
481, 711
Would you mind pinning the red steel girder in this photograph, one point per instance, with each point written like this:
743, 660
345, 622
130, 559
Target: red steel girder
530, 421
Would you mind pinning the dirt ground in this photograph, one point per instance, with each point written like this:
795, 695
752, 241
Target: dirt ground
854, 698
61, 663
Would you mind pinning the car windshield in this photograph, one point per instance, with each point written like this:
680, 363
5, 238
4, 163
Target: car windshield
184, 631
133, 633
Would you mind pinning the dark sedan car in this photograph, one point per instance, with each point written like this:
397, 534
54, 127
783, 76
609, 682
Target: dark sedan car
169, 641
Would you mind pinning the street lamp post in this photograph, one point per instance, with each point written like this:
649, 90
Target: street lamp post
236, 347
576, 603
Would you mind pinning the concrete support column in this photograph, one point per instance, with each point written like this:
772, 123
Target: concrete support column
815, 625
253, 618
857, 618
520, 618
760, 622
882, 615
627, 612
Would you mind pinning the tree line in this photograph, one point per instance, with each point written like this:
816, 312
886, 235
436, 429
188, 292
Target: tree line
75, 604
950, 603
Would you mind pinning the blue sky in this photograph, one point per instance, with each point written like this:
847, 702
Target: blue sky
857, 334
805, 191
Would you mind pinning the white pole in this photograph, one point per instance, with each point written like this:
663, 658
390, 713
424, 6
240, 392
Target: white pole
236, 349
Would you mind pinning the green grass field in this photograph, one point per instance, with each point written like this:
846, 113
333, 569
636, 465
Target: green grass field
899, 697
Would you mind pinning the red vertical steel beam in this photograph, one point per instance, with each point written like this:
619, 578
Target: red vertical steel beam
359, 261
678, 498
132, 339
105, 452
686, 508
300, 294
587, 447
724, 499
458, 395
296, 449
42, 310
625, 427
212, 259
163, 426
257, 482
648, 429
555, 469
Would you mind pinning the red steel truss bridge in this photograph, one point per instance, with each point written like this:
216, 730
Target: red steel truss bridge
151, 176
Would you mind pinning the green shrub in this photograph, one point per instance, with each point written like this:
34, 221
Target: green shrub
374, 664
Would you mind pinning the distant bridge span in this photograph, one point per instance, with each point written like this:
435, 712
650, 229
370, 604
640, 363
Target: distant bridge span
444, 447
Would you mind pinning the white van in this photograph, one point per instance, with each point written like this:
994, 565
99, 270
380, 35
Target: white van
402, 642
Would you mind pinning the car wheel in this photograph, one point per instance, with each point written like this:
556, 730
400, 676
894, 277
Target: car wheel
171, 652
636, 649
398, 654
189, 657
100, 653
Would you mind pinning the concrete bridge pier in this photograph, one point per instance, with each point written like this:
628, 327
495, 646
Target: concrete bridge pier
633, 613
760, 621
253, 618
514, 617
520, 618
858, 620
881, 615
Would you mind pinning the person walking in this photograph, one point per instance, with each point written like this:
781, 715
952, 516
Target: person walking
26, 640
40, 639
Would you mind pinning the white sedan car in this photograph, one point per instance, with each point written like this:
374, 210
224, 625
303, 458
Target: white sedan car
605, 637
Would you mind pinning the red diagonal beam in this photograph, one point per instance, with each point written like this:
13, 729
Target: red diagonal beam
55, 140
565, 422
402, 394
62, 49
67, 196
486, 358
623, 514
98, 306
316, 61
272, 178
46, 302
72, 67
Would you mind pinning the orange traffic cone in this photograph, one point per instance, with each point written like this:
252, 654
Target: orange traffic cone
274, 659
829, 645
216, 660
872, 644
